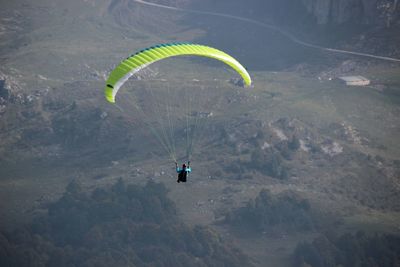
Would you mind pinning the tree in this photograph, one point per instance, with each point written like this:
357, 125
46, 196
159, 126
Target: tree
294, 143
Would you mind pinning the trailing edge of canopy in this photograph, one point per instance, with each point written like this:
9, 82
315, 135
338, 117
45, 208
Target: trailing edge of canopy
147, 56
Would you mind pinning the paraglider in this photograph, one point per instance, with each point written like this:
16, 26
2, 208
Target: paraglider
183, 172
147, 56
140, 60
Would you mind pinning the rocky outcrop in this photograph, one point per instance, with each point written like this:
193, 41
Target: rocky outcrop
339, 11
356, 11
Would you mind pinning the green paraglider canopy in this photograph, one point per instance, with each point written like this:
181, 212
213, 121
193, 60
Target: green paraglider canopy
147, 56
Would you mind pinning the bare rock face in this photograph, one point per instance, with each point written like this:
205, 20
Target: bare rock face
355, 11
342, 11
320, 9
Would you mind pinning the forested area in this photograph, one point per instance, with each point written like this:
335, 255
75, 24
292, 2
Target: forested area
349, 250
286, 212
123, 225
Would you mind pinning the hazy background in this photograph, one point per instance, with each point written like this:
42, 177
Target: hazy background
300, 170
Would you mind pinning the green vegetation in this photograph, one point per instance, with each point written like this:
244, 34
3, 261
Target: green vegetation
269, 163
349, 250
124, 225
287, 212
255, 150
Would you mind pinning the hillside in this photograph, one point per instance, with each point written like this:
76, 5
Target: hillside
298, 134
125, 225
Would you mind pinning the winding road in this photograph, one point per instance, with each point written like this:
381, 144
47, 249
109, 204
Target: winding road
271, 27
